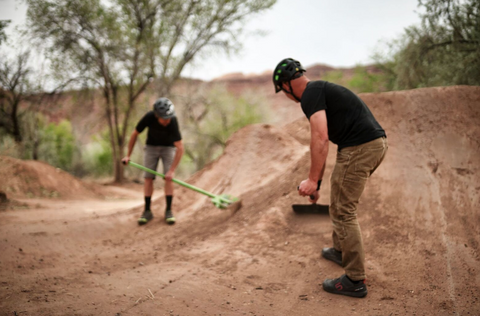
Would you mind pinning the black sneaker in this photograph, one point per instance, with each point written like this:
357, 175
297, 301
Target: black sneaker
344, 286
145, 218
333, 255
169, 217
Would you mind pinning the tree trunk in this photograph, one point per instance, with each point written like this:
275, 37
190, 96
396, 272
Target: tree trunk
35, 149
118, 168
16, 126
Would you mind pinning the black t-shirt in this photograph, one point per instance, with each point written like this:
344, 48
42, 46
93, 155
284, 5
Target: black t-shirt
159, 135
349, 121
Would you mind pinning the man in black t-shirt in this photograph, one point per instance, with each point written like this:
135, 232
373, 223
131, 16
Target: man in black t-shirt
337, 114
163, 142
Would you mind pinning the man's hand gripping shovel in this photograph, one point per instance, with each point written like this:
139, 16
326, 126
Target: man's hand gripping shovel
313, 208
221, 201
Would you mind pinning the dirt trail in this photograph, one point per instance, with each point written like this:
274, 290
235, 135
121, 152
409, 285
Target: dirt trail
83, 254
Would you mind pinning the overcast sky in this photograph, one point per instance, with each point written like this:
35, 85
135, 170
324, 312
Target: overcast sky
339, 33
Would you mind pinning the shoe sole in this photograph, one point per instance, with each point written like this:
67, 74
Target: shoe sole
334, 259
351, 294
143, 221
170, 220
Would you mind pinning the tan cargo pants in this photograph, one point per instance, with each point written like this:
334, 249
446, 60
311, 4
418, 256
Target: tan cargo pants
353, 167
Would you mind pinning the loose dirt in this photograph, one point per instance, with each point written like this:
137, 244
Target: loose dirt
74, 248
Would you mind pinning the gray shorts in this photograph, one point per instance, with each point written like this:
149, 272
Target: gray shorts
153, 154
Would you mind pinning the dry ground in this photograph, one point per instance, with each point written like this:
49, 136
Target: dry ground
71, 248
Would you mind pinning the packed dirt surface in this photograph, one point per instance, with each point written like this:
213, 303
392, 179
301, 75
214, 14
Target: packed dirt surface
80, 251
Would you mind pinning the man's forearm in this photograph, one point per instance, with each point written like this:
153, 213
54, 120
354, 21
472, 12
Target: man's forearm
177, 158
320, 176
131, 143
318, 157
318, 145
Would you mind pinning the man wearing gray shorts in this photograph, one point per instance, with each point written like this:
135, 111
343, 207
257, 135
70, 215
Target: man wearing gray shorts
164, 142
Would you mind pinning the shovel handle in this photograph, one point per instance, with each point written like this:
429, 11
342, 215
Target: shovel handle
311, 195
219, 200
184, 184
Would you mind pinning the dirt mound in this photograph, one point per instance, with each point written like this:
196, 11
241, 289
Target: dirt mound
28, 179
247, 163
419, 217
423, 202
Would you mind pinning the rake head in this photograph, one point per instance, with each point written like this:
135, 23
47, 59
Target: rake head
223, 201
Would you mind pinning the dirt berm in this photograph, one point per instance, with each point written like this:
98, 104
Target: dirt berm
419, 215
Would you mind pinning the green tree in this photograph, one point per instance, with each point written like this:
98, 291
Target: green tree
21, 93
211, 115
365, 80
122, 45
443, 50
58, 145
334, 76
14, 84
97, 155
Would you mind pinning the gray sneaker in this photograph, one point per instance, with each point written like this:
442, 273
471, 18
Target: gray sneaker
145, 218
169, 217
333, 255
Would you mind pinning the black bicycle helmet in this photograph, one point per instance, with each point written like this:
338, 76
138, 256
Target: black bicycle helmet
164, 108
286, 70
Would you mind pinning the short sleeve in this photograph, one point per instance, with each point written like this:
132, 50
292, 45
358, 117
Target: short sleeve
313, 98
143, 123
176, 136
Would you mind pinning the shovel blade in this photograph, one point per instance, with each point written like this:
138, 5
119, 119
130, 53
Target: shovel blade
310, 209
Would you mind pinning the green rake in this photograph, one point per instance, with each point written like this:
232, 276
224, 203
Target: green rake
221, 201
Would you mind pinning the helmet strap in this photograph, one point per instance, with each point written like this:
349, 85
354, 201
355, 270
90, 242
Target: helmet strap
291, 92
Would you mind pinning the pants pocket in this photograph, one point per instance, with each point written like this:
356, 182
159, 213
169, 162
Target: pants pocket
368, 161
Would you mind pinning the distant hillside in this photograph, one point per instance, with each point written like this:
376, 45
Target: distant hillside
87, 128
314, 72
284, 109
85, 108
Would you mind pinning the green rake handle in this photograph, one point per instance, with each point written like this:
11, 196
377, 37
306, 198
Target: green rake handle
220, 201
